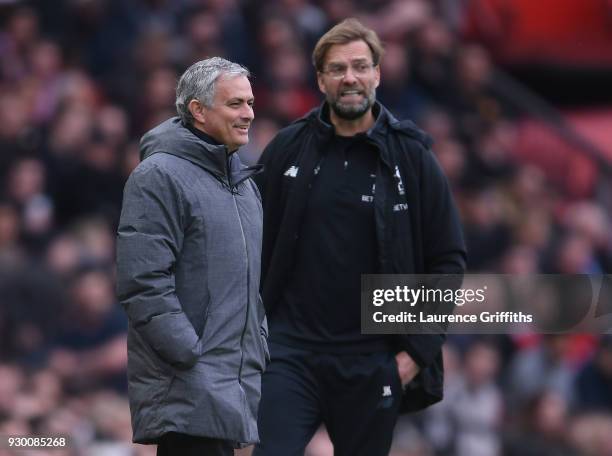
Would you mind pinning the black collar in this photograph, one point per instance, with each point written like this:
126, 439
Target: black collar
203, 136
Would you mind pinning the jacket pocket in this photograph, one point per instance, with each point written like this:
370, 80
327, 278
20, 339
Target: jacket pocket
147, 358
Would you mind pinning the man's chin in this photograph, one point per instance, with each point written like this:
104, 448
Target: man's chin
236, 145
241, 141
350, 112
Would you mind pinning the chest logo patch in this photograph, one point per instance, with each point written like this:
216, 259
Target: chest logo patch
292, 171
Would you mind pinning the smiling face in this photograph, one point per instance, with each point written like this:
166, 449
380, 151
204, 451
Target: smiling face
229, 118
351, 95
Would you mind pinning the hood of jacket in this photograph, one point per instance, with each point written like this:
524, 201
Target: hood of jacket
172, 137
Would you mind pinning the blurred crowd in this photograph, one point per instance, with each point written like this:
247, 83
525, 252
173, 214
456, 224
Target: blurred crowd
82, 80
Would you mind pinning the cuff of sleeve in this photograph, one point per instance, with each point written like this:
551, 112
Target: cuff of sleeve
423, 349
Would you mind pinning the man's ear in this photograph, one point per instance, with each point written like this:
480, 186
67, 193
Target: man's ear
377, 76
197, 110
320, 83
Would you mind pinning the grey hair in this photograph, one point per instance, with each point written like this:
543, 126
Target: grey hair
198, 83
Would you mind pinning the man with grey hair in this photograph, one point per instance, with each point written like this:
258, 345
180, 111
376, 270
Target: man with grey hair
188, 265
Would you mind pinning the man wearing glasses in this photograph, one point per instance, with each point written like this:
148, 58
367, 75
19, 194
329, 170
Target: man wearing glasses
348, 190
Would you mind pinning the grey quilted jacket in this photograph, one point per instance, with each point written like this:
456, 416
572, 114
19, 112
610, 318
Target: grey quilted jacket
188, 265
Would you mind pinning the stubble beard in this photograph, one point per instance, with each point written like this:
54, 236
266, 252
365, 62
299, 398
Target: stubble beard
352, 111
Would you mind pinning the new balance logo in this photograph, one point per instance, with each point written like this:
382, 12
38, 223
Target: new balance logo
387, 391
292, 171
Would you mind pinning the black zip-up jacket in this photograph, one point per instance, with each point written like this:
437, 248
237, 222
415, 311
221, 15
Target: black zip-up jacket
417, 224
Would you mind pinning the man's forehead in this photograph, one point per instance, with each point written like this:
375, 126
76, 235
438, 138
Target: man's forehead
355, 50
233, 86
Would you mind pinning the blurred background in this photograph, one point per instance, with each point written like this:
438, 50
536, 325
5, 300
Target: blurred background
516, 94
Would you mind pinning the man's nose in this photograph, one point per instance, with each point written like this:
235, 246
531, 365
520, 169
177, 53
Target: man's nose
349, 76
248, 113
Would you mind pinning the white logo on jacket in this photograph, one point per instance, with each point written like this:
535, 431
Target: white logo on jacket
292, 171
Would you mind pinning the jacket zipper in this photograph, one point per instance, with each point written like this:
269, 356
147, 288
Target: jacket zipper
246, 321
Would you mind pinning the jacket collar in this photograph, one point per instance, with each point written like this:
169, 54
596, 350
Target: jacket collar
378, 134
324, 129
319, 118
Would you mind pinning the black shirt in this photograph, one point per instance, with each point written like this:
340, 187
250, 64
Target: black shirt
320, 306
202, 135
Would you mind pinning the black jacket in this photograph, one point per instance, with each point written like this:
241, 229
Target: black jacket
424, 237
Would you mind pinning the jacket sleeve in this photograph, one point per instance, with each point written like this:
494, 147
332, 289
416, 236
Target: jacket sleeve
150, 237
269, 183
443, 247
266, 179
422, 348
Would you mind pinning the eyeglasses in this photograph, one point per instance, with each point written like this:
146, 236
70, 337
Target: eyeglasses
338, 71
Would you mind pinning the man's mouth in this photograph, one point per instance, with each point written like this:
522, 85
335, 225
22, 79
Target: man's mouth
242, 128
350, 93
